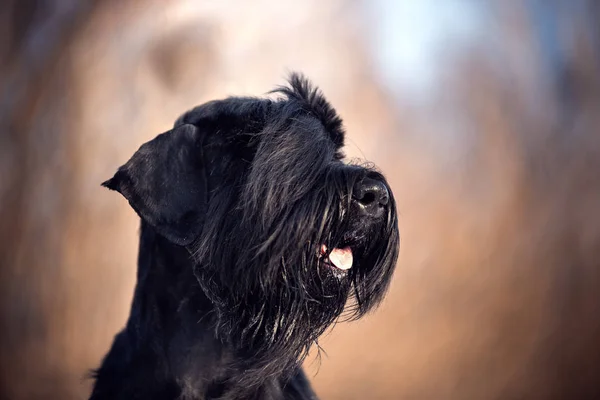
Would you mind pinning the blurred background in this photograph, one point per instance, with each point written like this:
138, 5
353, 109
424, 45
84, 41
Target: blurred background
485, 116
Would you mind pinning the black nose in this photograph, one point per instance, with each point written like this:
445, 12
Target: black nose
371, 196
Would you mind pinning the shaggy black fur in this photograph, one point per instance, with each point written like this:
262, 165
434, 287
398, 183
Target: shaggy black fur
236, 202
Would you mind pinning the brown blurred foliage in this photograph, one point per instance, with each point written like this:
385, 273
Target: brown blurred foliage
496, 294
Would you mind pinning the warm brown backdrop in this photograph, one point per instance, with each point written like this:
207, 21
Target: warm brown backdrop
497, 178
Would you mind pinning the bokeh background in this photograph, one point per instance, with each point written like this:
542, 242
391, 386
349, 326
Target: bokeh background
485, 115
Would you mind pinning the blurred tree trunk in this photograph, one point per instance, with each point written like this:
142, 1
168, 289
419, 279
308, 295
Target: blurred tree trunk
36, 191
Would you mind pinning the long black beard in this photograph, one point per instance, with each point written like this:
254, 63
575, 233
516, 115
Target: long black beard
259, 256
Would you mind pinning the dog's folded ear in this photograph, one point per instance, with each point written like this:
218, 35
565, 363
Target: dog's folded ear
165, 183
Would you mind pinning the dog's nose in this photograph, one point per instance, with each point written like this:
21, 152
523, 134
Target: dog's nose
371, 196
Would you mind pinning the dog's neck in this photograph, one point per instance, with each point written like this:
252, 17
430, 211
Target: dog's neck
169, 343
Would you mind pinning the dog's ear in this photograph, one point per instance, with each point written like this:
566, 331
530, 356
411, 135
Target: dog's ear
165, 183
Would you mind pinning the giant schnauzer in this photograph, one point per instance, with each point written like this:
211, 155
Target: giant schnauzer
255, 238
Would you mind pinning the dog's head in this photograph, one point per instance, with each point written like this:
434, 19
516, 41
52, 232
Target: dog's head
284, 235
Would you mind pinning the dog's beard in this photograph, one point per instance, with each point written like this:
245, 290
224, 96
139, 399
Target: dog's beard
261, 259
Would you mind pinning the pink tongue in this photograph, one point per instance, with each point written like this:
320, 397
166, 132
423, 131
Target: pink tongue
341, 258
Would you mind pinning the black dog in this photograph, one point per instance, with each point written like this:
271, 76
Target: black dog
254, 236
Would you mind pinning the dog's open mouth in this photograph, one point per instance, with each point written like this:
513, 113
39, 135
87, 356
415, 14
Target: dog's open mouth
339, 258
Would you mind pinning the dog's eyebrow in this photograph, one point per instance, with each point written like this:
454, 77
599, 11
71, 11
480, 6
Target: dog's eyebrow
311, 100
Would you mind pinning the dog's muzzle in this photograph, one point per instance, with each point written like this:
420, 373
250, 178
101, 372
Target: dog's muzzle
370, 199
